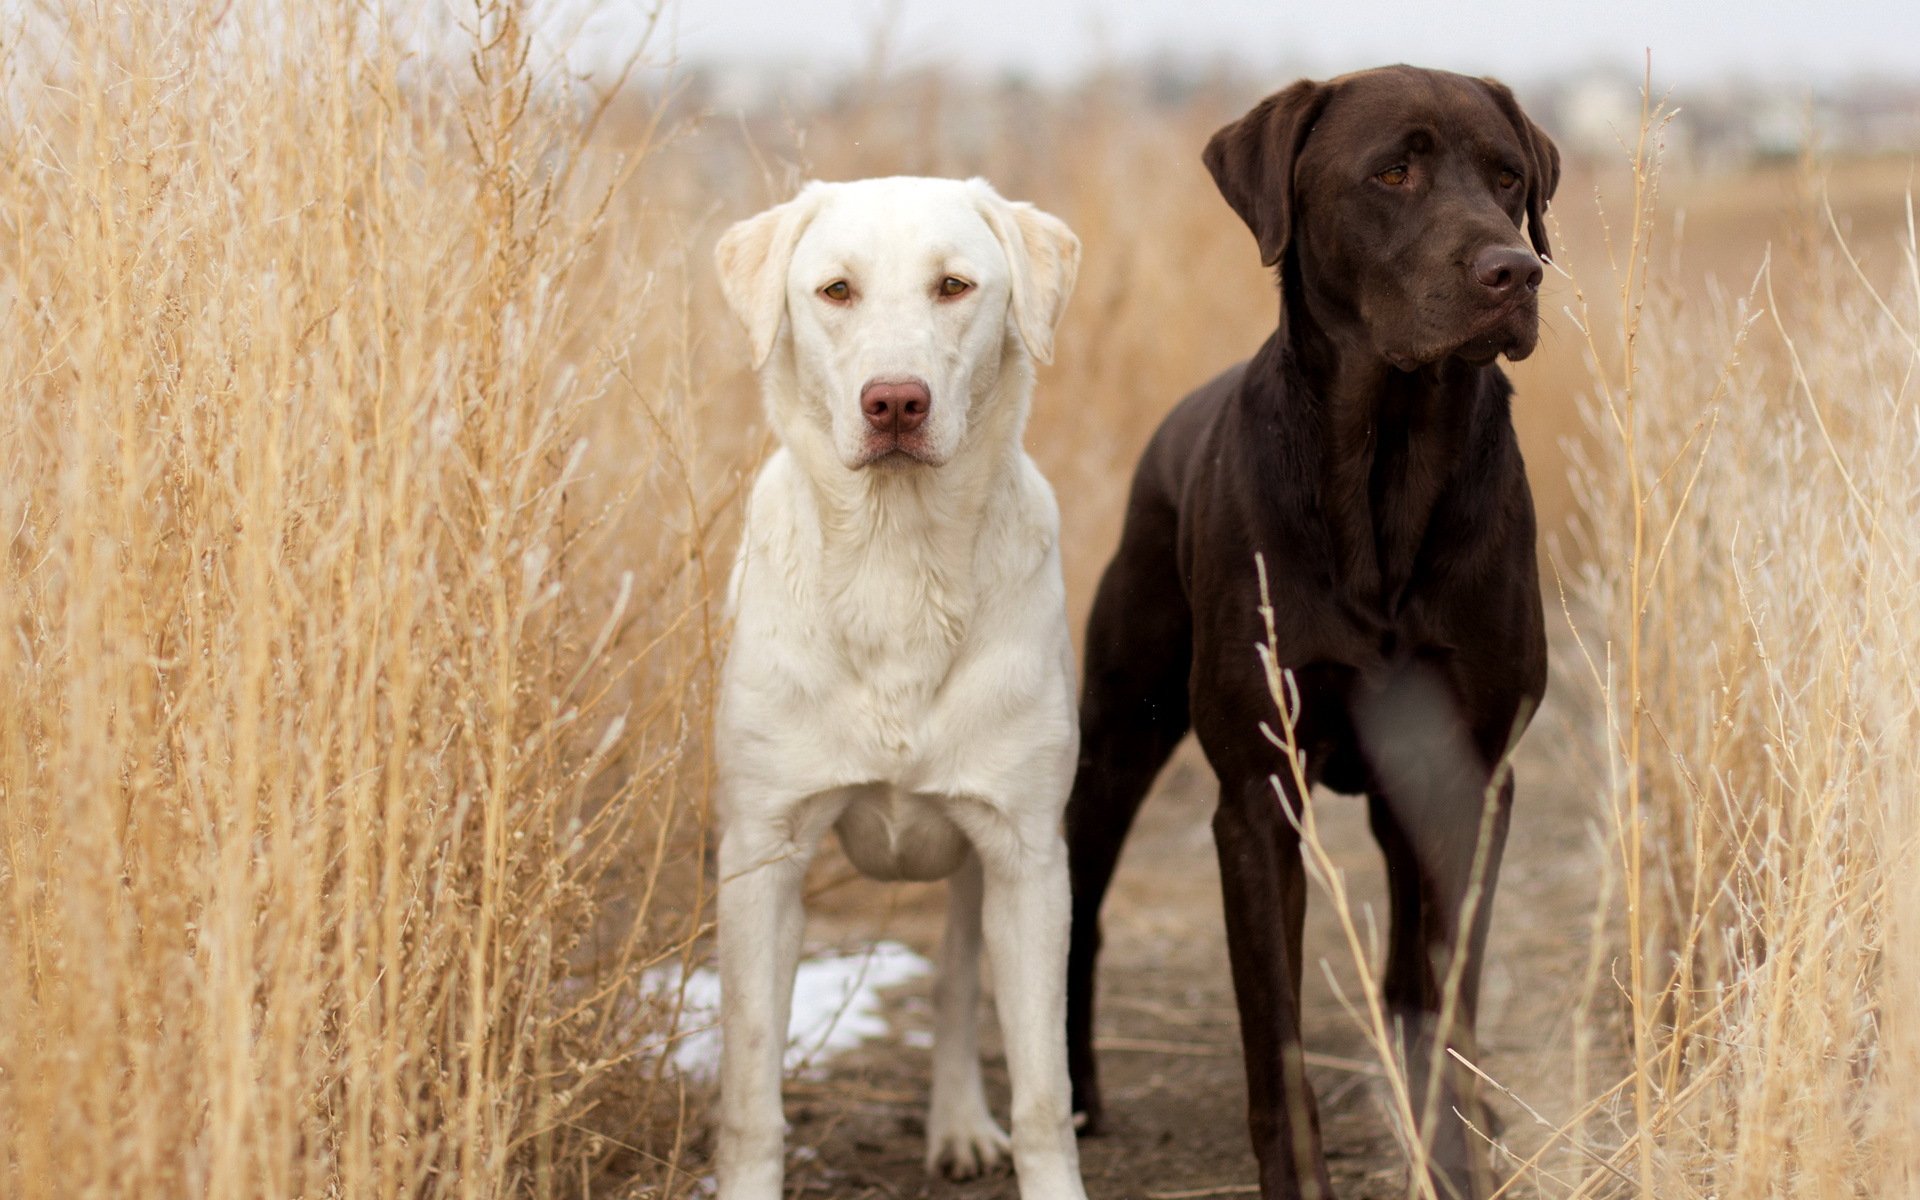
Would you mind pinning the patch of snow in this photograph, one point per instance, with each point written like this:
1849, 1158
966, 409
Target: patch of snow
836, 1006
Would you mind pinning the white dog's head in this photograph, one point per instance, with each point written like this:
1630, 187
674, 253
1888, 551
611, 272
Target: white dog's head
896, 304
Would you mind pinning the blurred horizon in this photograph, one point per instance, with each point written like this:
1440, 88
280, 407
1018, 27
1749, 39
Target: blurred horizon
1062, 42
1771, 84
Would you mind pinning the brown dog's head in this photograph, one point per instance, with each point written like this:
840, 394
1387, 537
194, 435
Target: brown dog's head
1396, 198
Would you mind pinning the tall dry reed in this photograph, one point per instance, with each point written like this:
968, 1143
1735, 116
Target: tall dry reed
340, 666
1753, 516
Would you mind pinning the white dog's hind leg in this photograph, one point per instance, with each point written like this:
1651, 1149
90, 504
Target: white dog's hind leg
963, 1140
1027, 911
762, 921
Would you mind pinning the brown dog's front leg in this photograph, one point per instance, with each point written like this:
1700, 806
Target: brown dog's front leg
1264, 888
1431, 878
1442, 831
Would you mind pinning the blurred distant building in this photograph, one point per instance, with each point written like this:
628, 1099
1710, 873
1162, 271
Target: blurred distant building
1593, 115
1730, 123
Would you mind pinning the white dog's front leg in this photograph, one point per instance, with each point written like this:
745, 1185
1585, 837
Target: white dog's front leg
963, 1140
761, 924
1027, 914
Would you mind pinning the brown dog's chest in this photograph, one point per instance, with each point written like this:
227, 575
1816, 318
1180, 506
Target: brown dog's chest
1403, 585
1388, 469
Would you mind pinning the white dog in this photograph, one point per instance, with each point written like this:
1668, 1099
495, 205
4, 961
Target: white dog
901, 669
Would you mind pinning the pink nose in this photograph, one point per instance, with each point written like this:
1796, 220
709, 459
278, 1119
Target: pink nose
895, 405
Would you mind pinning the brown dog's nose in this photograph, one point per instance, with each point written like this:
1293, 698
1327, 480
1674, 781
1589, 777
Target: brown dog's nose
1505, 269
895, 406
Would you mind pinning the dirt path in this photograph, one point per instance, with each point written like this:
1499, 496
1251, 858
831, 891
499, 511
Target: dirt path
1170, 1045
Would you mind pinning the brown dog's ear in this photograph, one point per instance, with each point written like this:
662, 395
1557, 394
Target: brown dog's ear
1252, 163
752, 257
1043, 256
1543, 173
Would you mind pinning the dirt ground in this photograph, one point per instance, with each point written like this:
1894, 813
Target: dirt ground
1168, 1032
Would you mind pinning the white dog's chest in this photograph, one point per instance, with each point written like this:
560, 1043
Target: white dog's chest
937, 669
899, 704
895, 653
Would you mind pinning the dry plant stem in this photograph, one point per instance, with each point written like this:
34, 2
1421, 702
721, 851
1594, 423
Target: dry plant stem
1620, 403
1630, 302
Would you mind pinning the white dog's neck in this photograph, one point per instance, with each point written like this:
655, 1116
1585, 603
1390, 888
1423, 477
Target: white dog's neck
903, 544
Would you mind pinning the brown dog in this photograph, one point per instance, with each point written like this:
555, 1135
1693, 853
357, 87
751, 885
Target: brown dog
1367, 452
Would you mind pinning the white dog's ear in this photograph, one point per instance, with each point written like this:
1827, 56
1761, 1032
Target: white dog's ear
752, 258
1045, 259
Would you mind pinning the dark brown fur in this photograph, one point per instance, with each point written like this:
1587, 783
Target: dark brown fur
1367, 452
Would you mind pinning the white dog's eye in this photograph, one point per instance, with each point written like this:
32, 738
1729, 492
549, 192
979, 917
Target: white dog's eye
953, 286
839, 291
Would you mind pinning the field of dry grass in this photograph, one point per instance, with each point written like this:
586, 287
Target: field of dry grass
1752, 516
348, 672
372, 438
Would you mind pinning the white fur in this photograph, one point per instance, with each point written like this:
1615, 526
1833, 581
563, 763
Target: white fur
901, 670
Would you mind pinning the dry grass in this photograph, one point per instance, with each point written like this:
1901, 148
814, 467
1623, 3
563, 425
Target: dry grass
372, 424
1754, 521
328, 707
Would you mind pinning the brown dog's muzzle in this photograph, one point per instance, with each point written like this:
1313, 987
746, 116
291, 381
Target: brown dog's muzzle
1506, 271
1500, 313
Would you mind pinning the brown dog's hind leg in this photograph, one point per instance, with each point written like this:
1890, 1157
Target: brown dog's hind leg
1133, 712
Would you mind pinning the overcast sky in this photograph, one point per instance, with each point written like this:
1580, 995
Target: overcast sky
1691, 40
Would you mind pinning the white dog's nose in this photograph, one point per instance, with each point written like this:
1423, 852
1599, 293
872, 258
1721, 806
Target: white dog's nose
895, 405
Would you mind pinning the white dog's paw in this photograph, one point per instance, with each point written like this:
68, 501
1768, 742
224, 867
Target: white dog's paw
965, 1145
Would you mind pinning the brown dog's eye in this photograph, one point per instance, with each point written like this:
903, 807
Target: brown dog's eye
1509, 178
1393, 176
953, 286
838, 291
